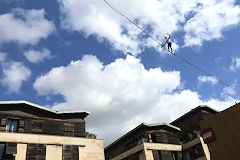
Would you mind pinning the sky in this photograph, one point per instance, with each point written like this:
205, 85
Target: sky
81, 55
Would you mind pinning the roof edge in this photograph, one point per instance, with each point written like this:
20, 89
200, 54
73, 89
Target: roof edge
142, 124
192, 110
42, 107
162, 124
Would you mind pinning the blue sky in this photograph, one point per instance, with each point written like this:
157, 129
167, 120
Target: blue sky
78, 55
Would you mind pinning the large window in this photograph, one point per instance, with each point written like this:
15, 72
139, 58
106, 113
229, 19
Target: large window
11, 125
2, 150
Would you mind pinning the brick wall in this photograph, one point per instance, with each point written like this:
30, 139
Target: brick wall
225, 128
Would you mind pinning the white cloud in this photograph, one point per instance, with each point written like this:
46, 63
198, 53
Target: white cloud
218, 60
2, 56
200, 20
122, 92
209, 20
14, 74
235, 64
25, 26
37, 56
230, 90
209, 79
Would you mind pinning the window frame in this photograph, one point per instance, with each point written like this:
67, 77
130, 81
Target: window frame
17, 127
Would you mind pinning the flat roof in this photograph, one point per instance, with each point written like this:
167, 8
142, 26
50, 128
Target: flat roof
86, 113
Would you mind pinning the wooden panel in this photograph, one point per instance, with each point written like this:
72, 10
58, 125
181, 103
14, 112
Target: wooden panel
45, 125
70, 152
36, 151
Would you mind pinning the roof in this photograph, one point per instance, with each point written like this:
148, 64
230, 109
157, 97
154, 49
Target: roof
161, 124
81, 113
142, 125
200, 107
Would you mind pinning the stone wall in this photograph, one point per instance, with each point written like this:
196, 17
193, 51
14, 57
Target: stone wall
27, 124
49, 147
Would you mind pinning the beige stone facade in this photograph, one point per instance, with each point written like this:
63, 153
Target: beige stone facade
145, 150
54, 152
89, 149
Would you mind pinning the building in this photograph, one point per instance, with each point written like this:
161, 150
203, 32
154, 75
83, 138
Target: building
221, 134
132, 146
32, 132
175, 141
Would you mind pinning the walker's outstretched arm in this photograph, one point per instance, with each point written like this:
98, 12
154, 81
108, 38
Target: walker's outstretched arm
169, 35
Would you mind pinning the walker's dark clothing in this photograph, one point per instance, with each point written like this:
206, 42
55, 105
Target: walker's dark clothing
169, 43
170, 46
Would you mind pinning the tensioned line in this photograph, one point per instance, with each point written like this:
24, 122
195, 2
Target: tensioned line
181, 58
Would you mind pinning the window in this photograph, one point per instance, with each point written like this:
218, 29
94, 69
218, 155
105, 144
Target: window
2, 150
198, 151
174, 155
11, 125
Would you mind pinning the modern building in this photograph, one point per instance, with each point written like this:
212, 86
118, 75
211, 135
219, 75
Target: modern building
179, 140
221, 133
134, 144
32, 132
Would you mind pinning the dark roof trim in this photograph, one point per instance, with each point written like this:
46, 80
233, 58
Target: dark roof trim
203, 107
85, 113
142, 125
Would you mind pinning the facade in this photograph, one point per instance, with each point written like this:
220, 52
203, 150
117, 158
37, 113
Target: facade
179, 140
132, 146
221, 134
32, 132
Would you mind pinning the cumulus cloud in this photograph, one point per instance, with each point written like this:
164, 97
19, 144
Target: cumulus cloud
199, 20
123, 92
25, 26
2, 56
230, 90
35, 56
209, 20
14, 74
209, 79
235, 64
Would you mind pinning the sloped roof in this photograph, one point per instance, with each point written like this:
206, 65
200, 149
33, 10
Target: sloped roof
198, 108
143, 125
80, 113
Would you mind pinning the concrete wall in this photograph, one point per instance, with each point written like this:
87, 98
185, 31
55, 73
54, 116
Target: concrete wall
51, 147
21, 152
225, 127
54, 152
145, 151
